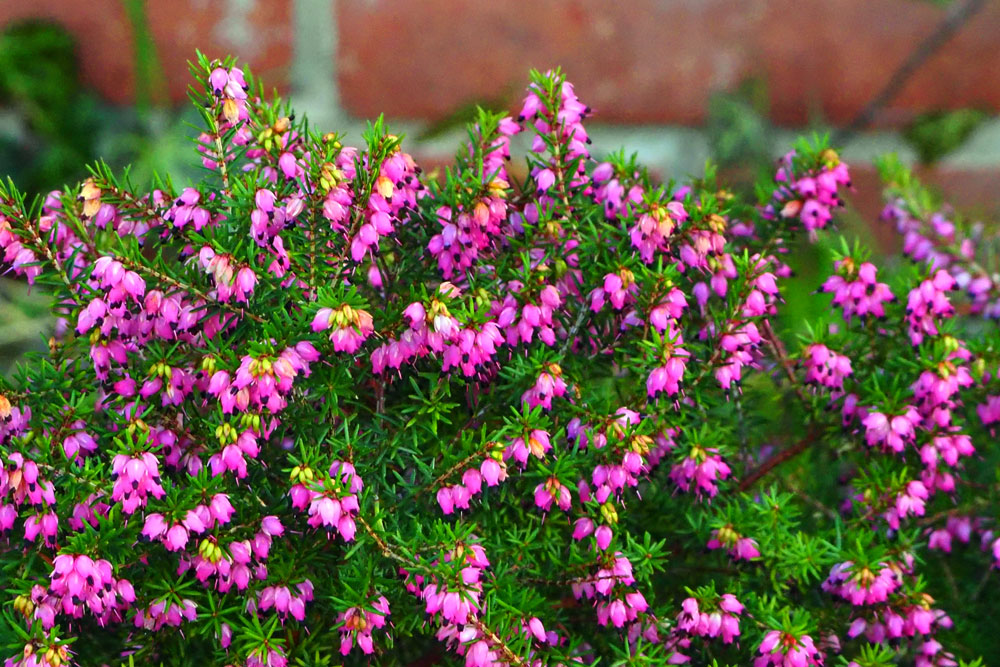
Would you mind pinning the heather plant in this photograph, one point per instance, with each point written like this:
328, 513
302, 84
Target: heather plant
323, 406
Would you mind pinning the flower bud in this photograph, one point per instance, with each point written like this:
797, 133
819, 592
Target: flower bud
978, 369
609, 513
208, 364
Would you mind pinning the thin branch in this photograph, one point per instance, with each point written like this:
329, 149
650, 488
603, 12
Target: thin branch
574, 330
953, 21
780, 354
488, 634
776, 460
508, 652
382, 545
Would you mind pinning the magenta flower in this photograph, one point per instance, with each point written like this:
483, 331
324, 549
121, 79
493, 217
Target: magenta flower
552, 491
135, 478
863, 585
785, 650
618, 288
892, 432
700, 471
350, 327
549, 384
738, 546
722, 621
357, 625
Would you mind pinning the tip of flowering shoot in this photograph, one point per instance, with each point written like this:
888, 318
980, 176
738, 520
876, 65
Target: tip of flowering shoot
829, 158
90, 195
302, 475
24, 605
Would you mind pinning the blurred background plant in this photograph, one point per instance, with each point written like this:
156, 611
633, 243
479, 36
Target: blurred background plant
52, 128
744, 142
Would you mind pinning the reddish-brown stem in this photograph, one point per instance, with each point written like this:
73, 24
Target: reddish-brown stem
776, 460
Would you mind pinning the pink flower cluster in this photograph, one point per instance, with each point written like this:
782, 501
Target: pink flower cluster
230, 87
908, 620
654, 228
738, 546
956, 527
617, 191
472, 230
927, 303
262, 382
22, 482
892, 432
285, 601
701, 469
739, 346
434, 330
615, 601
667, 377
826, 368
560, 119
856, 289
549, 384
703, 249
175, 534
534, 442
136, 477
722, 621
938, 242
810, 198
230, 278
165, 612
457, 603
618, 288
236, 446
21, 259
351, 326
910, 501
396, 190
492, 470
782, 649
182, 212
332, 502
553, 491
233, 565
357, 624
862, 585
80, 584
520, 316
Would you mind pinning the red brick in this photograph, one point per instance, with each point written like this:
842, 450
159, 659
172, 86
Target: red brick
179, 27
827, 62
641, 61
658, 61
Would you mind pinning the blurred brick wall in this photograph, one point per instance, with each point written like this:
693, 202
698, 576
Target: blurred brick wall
649, 62
657, 61
258, 31
640, 61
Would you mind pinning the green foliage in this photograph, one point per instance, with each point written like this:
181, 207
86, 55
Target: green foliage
39, 79
936, 134
763, 486
739, 131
